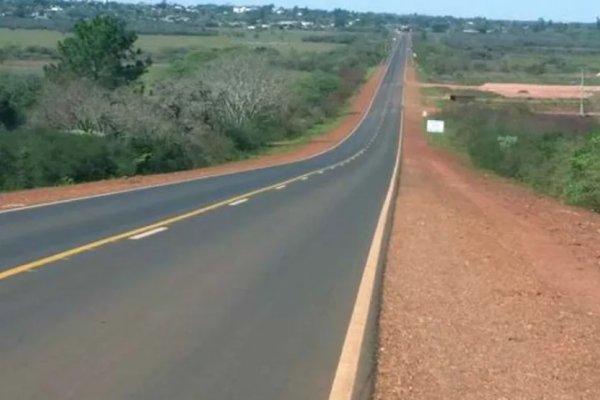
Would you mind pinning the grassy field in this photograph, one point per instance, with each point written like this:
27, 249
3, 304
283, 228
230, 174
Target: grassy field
25, 37
281, 40
528, 57
163, 48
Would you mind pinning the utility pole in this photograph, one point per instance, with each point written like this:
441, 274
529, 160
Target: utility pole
581, 108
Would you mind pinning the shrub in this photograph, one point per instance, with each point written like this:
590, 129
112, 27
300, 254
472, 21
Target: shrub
550, 156
584, 184
18, 92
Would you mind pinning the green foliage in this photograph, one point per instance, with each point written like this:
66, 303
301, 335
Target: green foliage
341, 38
544, 56
584, 184
317, 89
543, 152
17, 93
100, 50
211, 106
340, 18
36, 158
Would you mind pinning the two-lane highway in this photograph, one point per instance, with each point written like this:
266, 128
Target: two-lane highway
233, 287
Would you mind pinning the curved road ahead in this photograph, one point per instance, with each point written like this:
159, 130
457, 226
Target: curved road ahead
232, 287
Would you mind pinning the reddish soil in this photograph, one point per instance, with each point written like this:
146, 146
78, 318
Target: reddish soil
359, 104
491, 291
526, 90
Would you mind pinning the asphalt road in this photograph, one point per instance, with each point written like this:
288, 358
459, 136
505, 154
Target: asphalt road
244, 301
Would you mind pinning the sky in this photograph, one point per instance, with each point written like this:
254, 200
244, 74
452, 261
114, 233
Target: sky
557, 10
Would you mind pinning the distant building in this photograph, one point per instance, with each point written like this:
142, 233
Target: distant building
243, 9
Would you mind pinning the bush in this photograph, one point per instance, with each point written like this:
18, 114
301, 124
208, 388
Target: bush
17, 93
216, 106
550, 156
584, 185
39, 158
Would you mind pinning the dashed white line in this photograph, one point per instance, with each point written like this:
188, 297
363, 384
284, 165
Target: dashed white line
304, 178
148, 233
238, 202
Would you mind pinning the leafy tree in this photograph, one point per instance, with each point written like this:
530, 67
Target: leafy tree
17, 93
340, 18
440, 26
101, 50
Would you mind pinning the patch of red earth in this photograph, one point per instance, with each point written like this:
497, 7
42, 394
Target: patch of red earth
525, 90
491, 291
359, 105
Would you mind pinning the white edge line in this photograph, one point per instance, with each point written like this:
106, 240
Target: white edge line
345, 375
177, 182
238, 202
148, 233
280, 187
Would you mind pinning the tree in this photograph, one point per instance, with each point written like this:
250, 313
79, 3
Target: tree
340, 18
243, 93
102, 51
18, 92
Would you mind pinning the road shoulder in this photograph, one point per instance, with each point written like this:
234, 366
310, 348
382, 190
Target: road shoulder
491, 291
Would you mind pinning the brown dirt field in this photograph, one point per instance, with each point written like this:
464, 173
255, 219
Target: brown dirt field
528, 91
359, 104
491, 291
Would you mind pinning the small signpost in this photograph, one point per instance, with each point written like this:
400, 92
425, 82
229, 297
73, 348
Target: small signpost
435, 126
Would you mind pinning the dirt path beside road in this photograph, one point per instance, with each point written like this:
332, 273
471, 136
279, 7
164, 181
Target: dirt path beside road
491, 291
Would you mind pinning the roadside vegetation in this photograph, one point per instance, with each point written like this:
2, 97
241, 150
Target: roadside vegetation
544, 52
555, 155
542, 143
97, 113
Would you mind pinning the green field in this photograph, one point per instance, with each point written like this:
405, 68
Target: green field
24, 37
527, 57
281, 40
162, 48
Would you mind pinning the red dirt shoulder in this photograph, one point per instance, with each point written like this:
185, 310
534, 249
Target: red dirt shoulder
359, 105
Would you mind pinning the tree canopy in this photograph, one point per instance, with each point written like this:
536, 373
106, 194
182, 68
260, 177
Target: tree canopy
101, 50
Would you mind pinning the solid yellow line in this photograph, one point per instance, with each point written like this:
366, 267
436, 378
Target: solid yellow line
111, 239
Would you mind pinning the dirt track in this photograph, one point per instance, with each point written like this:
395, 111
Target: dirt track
491, 291
523, 90
359, 104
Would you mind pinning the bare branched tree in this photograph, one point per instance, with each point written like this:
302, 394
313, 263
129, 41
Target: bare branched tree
81, 105
183, 101
74, 105
244, 88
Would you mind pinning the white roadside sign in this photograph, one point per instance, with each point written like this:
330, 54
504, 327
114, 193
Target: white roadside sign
435, 126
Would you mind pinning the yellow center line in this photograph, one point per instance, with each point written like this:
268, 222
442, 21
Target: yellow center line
124, 235
12, 271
